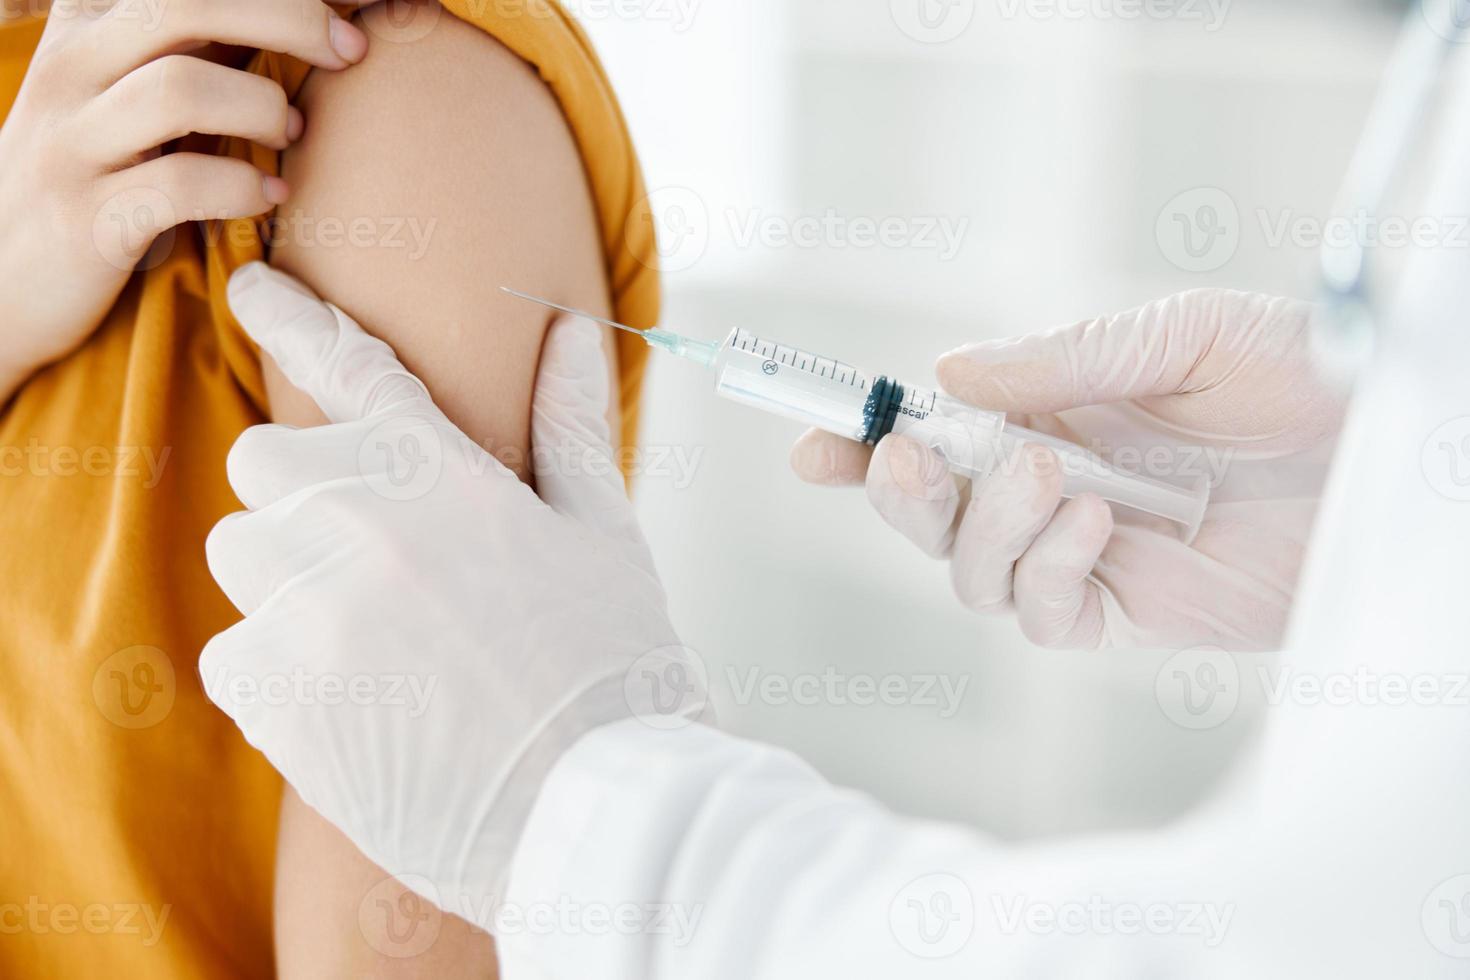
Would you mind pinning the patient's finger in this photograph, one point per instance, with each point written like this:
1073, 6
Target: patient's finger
826, 460
914, 491
305, 29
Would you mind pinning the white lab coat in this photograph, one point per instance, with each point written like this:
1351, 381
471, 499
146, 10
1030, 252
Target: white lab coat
1339, 852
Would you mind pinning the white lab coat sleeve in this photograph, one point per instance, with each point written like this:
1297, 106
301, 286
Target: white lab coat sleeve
691, 853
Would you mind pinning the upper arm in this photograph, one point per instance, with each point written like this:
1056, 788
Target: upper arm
430, 175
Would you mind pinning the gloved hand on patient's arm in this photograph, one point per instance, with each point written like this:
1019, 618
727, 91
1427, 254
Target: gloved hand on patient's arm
387, 551
1209, 384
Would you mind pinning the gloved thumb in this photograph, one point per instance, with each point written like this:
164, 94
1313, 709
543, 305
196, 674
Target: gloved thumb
572, 454
1183, 344
321, 350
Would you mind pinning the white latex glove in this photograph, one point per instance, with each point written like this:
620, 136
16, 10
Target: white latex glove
390, 552
1226, 372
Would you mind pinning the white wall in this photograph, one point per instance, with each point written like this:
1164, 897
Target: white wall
1055, 143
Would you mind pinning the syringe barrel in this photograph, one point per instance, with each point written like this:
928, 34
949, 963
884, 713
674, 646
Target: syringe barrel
796, 384
840, 399
975, 442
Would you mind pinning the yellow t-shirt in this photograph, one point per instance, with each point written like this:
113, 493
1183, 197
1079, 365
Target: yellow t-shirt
137, 829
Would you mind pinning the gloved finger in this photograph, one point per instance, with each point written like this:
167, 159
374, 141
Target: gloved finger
1182, 344
1057, 602
913, 490
271, 462
321, 350
1008, 510
576, 472
831, 461
244, 558
249, 649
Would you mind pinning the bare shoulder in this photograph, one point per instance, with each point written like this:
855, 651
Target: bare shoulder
431, 174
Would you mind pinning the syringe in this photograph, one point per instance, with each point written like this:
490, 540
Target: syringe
837, 398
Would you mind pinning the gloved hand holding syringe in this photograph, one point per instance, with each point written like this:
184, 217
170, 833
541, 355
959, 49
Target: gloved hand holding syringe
837, 398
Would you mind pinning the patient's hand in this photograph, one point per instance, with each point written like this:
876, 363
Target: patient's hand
85, 189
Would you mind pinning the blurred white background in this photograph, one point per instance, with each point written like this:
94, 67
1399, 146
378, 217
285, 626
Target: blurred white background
1053, 139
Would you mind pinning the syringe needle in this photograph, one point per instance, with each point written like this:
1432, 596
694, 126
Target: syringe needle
567, 309
699, 351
